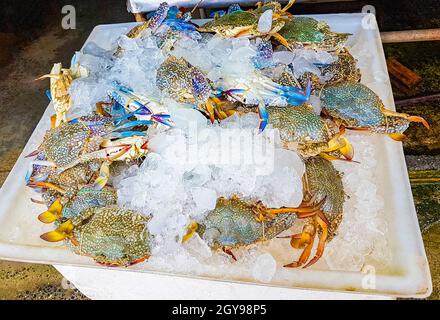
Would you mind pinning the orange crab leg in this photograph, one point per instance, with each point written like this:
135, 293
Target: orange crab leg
304, 211
419, 119
322, 241
306, 252
47, 185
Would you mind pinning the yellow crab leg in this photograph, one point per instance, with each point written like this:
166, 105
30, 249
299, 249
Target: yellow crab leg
288, 5
53, 213
192, 228
397, 136
62, 232
282, 40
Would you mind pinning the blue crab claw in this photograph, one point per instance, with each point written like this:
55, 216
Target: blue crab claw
233, 92
124, 134
322, 65
297, 98
28, 175
158, 16
180, 25
264, 116
48, 94
140, 111
163, 119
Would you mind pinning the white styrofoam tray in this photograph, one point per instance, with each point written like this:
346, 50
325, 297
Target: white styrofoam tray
408, 275
137, 6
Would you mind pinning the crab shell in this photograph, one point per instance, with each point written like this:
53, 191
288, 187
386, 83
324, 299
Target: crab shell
307, 31
88, 197
70, 180
344, 69
354, 105
182, 82
238, 22
300, 128
111, 235
323, 181
65, 143
233, 224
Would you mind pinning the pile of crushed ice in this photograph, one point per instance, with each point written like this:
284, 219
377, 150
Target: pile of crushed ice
193, 164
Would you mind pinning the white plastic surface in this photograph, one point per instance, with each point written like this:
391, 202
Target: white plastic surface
407, 276
136, 6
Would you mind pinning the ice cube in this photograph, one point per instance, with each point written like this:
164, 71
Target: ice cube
264, 268
204, 198
265, 21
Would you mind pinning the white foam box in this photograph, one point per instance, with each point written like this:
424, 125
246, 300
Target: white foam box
407, 276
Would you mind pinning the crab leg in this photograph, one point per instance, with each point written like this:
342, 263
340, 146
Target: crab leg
282, 40
307, 238
192, 228
408, 117
341, 144
53, 213
228, 251
62, 232
322, 241
288, 5
46, 185
302, 212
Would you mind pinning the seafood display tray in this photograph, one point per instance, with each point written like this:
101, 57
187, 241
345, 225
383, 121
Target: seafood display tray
407, 275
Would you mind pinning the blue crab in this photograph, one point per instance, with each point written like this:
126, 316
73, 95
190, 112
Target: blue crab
355, 106
239, 23
302, 130
322, 186
342, 70
112, 236
84, 140
235, 223
187, 84
308, 32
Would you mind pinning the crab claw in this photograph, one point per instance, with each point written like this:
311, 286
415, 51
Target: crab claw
297, 98
115, 152
408, 117
264, 116
419, 119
